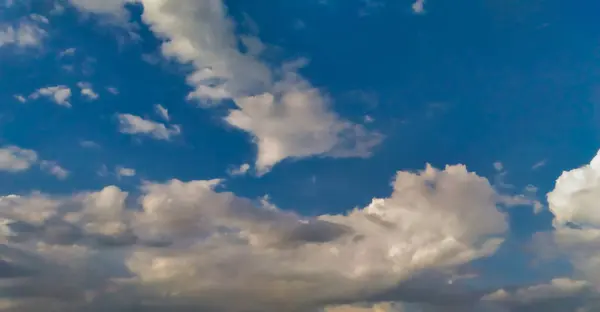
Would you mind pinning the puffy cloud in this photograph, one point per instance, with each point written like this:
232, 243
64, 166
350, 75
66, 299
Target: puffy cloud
135, 125
187, 246
25, 34
20, 98
286, 115
58, 94
87, 90
15, 159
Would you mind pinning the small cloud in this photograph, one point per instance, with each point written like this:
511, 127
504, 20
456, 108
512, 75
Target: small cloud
162, 112
241, 170
16, 159
54, 169
39, 18
112, 90
58, 94
418, 7
124, 172
369, 6
369, 119
135, 125
538, 165
24, 35
299, 24
67, 52
87, 91
498, 166
20, 98
89, 144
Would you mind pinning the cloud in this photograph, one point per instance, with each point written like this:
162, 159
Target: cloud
135, 125
112, 90
185, 246
89, 144
58, 94
241, 170
67, 52
25, 34
20, 98
16, 159
87, 91
162, 112
418, 7
54, 169
124, 172
282, 111
539, 165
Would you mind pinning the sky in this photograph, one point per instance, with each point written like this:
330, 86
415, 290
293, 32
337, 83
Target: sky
302, 156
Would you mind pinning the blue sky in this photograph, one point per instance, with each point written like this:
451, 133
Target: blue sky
307, 110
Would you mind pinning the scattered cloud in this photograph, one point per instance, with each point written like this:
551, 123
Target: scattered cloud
87, 91
418, 7
89, 144
176, 246
135, 125
241, 170
58, 94
20, 98
498, 166
162, 112
54, 169
26, 34
284, 113
539, 165
16, 159
67, 52
112, 90
124, 172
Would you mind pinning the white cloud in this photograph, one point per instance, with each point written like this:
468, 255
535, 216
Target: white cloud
180, 246
20, 98
87, 90
131, 124
539, 165
15, 159
498, 166
124, 172
54, 169
285, 114
58, 94
67, 52
39, 18
25, 34
241, 170
162, 112
418, 7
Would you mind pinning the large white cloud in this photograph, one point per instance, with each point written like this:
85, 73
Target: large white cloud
285, 114
188, 246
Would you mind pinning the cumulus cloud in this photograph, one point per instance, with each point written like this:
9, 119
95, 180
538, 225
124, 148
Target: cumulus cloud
59, 94
26, 34
186, 246
135, 125
15, 159
87, 91
282, 111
